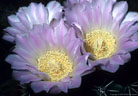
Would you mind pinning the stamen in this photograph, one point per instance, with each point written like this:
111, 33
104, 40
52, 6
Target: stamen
100, 43
55, 64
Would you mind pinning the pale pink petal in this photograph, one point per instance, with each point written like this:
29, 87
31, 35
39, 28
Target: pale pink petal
11, 30
119, 10
55, 10
131, 16
8, 38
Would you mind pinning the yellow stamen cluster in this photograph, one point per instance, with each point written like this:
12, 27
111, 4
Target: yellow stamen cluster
55, 64
100, 43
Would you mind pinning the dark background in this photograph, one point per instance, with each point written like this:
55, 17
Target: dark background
122, 79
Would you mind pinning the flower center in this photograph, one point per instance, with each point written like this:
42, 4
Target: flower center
100, 43
55, 64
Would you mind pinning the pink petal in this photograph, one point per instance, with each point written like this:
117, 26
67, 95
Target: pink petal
25, 77
126, 57
43, 14
55, 90
70, 35
24, 19
12, 59
116, 60
12, 19
75, 82
81, 66
110, 68
74, 48
60, 31
42, 86
63, 86
130, 46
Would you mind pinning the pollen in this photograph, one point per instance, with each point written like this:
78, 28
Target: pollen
101, 43
55, 64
